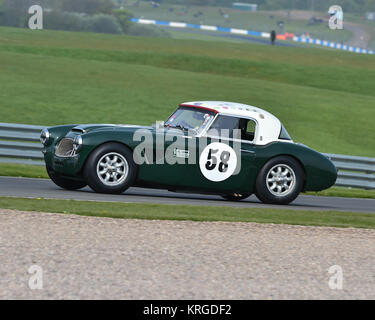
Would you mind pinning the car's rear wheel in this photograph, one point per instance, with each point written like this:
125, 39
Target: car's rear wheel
110, 169
279, 181
65, 183
236, 196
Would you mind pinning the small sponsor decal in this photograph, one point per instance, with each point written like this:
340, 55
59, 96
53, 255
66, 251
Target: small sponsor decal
179, 153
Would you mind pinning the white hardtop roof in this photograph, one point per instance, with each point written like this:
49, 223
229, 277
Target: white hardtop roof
233, 108
269, 126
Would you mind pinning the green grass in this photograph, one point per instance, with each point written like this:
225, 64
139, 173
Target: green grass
19, 170
194, 213
344, 192
191, 34
326, 99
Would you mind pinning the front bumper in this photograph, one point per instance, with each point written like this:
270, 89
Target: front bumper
67, 166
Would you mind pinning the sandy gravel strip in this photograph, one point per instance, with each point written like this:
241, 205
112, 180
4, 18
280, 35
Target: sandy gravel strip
104, 258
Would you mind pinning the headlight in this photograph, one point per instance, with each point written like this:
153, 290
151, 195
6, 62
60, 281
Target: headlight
77, 144
44, 136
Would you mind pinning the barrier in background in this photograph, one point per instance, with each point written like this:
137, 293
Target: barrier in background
19, 143
287, 36
358, 172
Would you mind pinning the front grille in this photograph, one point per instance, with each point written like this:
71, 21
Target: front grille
65, 148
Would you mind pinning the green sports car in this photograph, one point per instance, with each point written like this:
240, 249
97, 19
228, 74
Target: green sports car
224, 148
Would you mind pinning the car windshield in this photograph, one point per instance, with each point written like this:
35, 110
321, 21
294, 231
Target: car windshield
188, 118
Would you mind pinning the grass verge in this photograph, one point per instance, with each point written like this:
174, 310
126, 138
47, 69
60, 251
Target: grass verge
193, 213
344, 192
20, 170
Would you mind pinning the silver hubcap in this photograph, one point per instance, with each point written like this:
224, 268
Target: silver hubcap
112, 169
281, 180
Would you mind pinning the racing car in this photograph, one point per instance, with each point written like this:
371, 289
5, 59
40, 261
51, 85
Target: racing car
189, 153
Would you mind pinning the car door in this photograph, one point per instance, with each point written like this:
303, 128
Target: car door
227, 162
206, 162
170, 158
215, 163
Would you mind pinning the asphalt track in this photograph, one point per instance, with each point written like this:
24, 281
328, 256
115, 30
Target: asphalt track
44, 188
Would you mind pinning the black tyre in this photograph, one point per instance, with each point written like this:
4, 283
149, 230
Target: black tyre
65, 183
236, 196
110, 169
279, 181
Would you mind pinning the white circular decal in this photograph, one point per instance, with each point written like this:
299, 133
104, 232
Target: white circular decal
218, 161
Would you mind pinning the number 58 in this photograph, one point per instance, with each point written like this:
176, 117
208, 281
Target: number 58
212, 160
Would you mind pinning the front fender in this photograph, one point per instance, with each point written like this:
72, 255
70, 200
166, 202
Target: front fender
92, 141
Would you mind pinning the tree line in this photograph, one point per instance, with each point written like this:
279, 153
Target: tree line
101, 16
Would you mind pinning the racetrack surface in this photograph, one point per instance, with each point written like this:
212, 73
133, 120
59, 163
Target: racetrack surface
104, 258
44, 188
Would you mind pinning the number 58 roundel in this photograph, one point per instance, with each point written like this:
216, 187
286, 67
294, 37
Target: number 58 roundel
218, 161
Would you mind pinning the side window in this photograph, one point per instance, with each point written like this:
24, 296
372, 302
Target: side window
248, 131
227, 123
284, 135
245, 128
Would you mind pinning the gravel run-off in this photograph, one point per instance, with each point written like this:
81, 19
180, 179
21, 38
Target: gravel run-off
104, 258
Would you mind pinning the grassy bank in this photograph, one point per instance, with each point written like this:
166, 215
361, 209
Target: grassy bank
324, 98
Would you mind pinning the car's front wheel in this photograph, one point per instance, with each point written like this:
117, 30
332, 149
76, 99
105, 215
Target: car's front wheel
110, 169
65, 183
279, 181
